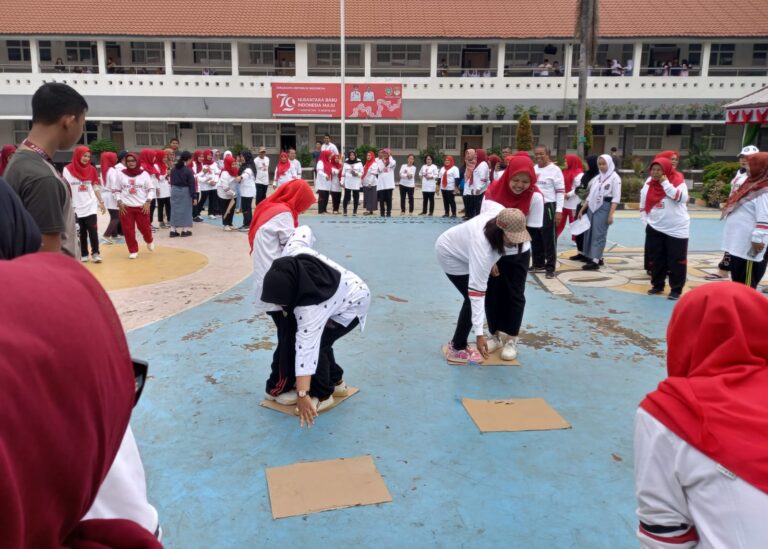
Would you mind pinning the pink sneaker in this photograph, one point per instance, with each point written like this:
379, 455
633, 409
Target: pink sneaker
462, 356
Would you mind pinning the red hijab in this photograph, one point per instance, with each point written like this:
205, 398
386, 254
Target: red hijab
493, 161
370, 159
108, 161
283, 165
325, 158
82, 172
67, 398
677, 177
336, 162
500, 192
573, 167
229, 167
451, 164
147, 162
755, 185
135, 171
5, 156
717, 361
206, 154
523, 154
197, 160
295, 196
655, 191
162, 167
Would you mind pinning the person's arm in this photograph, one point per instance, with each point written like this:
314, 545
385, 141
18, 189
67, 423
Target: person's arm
481, 261
310, 323
616, 198
51, 242
559, 184
677, 193
643, 198
97, 192
760, 232
535, 218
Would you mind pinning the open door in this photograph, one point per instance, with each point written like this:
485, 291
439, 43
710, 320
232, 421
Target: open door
477, 59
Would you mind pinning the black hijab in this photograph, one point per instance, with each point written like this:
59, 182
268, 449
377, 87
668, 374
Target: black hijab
299, 281
592, 170
19, 234
349, 160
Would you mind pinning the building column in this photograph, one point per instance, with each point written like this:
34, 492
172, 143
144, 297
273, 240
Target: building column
235, 63
301, 53
706, 51
34, 55
101, 56
367, 48
501, 57
568, 60
433, 60
168, 56
637, 58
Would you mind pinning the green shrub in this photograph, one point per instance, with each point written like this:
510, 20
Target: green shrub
630, 188
102, 145
722, 171
362, 152
699, 156
304, 157
524, 133
496, 149
715, 191
435, 152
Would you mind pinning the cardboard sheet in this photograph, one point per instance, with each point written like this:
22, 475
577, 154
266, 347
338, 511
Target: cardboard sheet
524, 414
316, 486
291, 410
494, 359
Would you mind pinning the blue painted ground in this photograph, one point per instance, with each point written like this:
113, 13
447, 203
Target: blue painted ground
206, 442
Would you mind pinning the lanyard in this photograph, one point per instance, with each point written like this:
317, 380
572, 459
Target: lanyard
45, 156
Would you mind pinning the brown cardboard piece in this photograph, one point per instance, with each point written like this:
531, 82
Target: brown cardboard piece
291, 409
312, 487
494, 359
522, 414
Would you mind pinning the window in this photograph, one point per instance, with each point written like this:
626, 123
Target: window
712, 137
451, 53
694, 55
218, 135
207, 52
722, 54
79, 52
264, 135
759, 55
20, 130
518, 55
261, 54
506, 136
147, 53
334, 130
154, 134
90, 133
398, 54
443, 137
397, 136
18, 50
648, 137
45, 50
329, 55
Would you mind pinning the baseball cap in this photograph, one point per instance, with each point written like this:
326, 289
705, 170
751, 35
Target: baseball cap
748, 150
262, 150
512, 222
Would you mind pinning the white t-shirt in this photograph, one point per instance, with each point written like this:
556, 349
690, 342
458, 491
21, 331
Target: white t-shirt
746, 224
289, 175
329, 147
678, 487
225, 188
534, 219
737, 181
602, 188
133, 191
164, 186
450, 181
572, 199
481, 178
247, 183
208, 177
670, 215
262, 170
296, 167
428, 175
407, 176
322, 181
371, 178
551, 183
386, 174
84, 200
352, 175
268, 244
335, 180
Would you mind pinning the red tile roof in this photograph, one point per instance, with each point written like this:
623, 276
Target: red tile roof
513, 19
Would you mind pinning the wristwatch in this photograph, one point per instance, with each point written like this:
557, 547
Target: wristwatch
302, 394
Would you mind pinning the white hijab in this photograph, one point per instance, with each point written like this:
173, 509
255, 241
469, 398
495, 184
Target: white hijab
601, 185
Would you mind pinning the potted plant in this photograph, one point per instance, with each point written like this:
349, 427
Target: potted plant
501, 112
677, 112
533, 112
601, 110
665, 111
471, 112
572, 108
630, 109
708, 111
693, 111
484, 112
559, 115
546, 114
517, 112
616, 111
641, 110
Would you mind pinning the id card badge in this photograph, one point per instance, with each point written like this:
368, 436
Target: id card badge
132, 190
82, 188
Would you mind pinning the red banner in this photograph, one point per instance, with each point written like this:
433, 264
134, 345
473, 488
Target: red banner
322, 100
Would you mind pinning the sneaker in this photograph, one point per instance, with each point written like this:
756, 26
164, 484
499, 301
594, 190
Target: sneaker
96, 258
151, 246
154, 228
550, 274
655, 291
164, 226
134, 255
341, 389
289, 398
536, 269
579, 257
423, 213
324, 405
591, 266
228, 228
494, 343
509, 352
238, 211
243, 228
84, 259
197, 219
463, 356
186, 233
174, 234
106, 240
674, 296
211, 216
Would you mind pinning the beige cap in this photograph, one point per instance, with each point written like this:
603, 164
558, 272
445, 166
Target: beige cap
512, 222
262, 149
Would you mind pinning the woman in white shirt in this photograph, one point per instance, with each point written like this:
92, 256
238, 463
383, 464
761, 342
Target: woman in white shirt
336, 169
163, 188
85, 188
428, 174
262, 174
572, 174
407, 184
323, 178
108, 164
701, 438
207, 178
386, 181
370, 183
134, 192
225, 190
664, 212
476, 180
603, 199
351, 178
247, 188
449, 176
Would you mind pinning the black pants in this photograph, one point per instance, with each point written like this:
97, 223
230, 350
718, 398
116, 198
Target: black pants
505, 297
472, 204
406, 192
114, 228
322, 201
385, 202
747, 272
464, 202
354, 196
164, 206
580, 243
246, 203
152, 208
428, 203
725, 263
227, 211
210, 198
261, 192
336, 200
666, 255
449, 203
88, 231
544, 243
464, 323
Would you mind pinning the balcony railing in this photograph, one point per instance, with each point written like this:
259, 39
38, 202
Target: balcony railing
670, 71
457, 72
413, 72
79, 68
15, 67
202, 70
335, 71
737, 71
255, 70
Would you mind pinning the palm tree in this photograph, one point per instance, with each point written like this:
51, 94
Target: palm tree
586, 33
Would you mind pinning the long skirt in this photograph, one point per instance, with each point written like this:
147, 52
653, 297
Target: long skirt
370, 199
181, 207
597, 235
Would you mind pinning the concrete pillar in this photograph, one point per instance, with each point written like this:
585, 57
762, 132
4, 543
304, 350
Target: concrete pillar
433, 60
101, 56
501, 56
34, 55
568, 61
706, 50
637, 58
168, 56
367, 48
302, 59
235, 58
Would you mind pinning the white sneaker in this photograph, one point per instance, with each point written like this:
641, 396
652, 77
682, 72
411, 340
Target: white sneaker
96, 258
288, 398
151, 246
134, 255
107, 240
227, 228
494, 343
324, 405
84, 259
211, 217
509, 352
341, 390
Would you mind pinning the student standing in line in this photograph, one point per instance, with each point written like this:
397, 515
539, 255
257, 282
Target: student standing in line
746, 224
574, 169
108, 164
449, 176
247, 172
407, 184
664, 212
297, 170
134, 192
163, 189
262, 175
468, 192
603, 199
284, 171
370, 183
676, 179
701, 438
336, 169
206, 176
147, 164
481, 178
551, 183
324, 171
592, 172
183, 187
327, 302
351, 178
468, 253
428, 174
505, 300
225, 190
85, 186
386, 181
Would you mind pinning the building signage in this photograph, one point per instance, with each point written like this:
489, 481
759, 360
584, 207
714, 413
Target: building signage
312, 100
